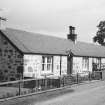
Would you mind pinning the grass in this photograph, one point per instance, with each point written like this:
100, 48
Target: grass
6, 92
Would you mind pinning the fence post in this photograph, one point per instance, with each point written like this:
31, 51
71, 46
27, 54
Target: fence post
77, 78
59, 81
36, 84
89, 76
19, 88
63, 81
101, 74
45, 82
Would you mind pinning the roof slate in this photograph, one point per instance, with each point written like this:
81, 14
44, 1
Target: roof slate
29, 42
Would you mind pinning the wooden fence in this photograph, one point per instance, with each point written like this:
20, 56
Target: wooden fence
23, 87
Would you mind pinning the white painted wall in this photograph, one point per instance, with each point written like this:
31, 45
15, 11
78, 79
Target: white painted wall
33, 62
77, 65
33, 66
103, 60
90, 64
56, 65
64, 65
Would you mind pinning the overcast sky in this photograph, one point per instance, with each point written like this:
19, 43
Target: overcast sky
54, 16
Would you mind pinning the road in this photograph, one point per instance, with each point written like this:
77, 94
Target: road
88, 94
91, 96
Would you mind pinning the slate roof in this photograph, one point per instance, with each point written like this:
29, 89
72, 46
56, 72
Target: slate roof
29, 42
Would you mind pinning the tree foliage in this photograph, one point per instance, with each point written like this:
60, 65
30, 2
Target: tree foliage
100, 35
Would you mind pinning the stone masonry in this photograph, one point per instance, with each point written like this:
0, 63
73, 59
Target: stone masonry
11, 61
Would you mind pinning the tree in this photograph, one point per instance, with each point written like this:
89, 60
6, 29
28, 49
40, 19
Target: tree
100, 35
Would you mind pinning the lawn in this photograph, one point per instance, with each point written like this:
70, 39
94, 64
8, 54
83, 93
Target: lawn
6, 92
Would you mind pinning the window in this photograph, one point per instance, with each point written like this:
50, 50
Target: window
96, 60
85, 62
43, 63
96, 63
46, 63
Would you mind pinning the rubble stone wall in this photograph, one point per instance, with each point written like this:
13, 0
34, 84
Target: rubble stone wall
11, 61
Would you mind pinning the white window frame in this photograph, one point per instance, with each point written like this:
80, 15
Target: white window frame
85, 63
47, 63
97, 62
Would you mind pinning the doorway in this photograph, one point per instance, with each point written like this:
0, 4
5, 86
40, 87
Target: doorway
69, 64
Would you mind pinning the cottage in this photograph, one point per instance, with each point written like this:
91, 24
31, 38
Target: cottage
32, 55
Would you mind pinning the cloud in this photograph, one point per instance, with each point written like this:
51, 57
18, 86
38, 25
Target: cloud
54, 16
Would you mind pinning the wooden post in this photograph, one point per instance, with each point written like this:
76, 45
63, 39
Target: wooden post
52, 64
63, 81
45, 82
19, 84
89, 76
60, 64
59, 81
100, 69
36, 83
77, 78
19, 88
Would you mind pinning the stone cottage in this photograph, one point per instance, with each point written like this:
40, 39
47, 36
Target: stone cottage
33, 55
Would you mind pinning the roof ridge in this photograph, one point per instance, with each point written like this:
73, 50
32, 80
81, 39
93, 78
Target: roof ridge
30, 42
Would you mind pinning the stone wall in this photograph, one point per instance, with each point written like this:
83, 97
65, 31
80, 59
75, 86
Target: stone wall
11, 61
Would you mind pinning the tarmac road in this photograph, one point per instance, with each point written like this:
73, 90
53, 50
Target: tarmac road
94, 96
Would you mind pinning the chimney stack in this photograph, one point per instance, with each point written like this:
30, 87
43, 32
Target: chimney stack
2, 26
72, 34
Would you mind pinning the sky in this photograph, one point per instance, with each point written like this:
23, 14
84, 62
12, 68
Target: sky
52, 17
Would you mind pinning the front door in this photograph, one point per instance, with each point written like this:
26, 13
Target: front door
69, 64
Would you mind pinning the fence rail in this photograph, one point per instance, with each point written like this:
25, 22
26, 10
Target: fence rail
27, 86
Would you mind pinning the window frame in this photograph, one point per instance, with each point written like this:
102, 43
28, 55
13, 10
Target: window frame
85, 63
96, 61
47, 63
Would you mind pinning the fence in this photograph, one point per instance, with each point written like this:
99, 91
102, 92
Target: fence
23, 87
